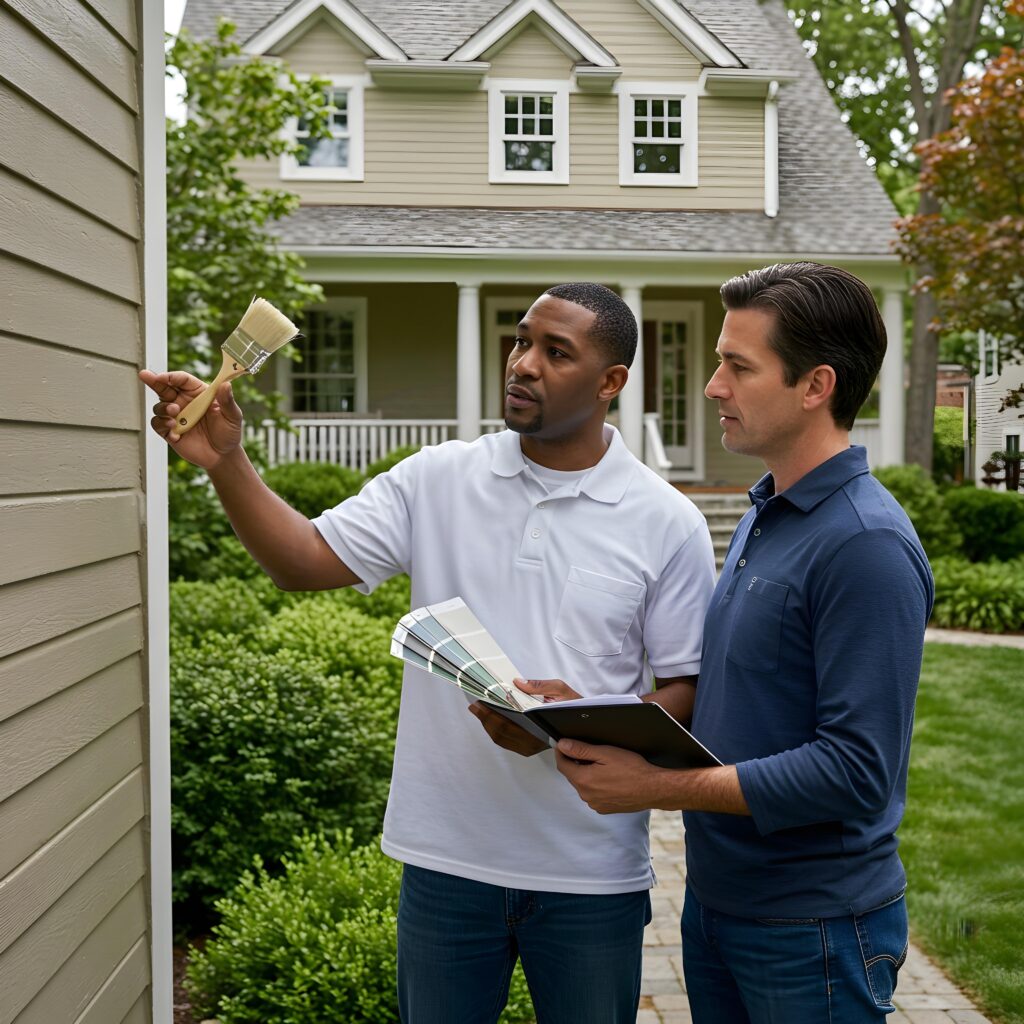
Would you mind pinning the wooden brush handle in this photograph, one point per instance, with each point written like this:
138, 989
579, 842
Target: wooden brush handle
196, 409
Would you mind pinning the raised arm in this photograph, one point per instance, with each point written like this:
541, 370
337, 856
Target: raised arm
284, 542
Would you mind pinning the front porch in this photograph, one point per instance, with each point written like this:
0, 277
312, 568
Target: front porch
412, 351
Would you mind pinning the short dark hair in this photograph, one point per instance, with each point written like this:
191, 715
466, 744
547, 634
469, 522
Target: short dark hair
614, 326
822, 315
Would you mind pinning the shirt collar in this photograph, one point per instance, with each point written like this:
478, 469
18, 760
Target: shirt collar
606, 482
814, 487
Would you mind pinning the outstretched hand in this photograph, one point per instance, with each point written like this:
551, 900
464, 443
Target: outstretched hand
217, 434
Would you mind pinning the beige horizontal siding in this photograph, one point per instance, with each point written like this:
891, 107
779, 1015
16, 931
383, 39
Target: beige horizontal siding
324, 50
57, 159
39, 304
47, 668
431, 148
83, 38
49, 384
37, 610
74, 918
38, 227
32, 817
640, 44
41, 72
72, 987
54, 458
36, 955
35, 885
39, 738
79, 529
529, 54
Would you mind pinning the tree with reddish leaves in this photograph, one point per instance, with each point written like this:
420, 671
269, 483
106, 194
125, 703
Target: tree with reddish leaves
973, 246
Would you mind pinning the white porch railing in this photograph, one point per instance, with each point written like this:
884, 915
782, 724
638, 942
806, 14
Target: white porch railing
654, 447
352, 442
869, 434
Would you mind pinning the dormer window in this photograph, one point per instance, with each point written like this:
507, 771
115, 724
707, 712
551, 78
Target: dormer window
657, 134
529, 132
340, 156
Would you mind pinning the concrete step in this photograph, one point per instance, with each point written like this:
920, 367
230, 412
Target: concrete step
722, 510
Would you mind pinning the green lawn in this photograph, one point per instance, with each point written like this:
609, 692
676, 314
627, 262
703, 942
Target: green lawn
963, 836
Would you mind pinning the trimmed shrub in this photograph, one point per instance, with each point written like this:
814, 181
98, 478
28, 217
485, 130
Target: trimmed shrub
238, 607
390, 601
314, 945
268, 744
312, 487
981, 596
393, 458
196, 522
990, 522
923, 503
948, 444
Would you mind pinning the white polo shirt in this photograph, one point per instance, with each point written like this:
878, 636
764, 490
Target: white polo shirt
579, 583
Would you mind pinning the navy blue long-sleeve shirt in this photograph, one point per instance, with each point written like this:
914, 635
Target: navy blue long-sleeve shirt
812, 653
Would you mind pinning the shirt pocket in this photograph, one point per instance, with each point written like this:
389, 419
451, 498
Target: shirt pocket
596, 612
756, 635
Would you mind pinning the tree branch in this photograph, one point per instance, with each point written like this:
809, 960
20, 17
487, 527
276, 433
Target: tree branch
918, 96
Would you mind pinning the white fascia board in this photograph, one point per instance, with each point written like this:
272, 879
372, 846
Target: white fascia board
583, 46
292, 20
691, 33
742, 81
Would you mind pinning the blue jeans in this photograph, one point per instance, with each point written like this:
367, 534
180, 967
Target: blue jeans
458, 941
828, 970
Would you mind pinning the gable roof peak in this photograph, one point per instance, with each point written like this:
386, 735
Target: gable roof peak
562, 30
294, 20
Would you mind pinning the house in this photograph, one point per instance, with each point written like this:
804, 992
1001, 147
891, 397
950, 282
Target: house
85, 926
483, 150
997, 426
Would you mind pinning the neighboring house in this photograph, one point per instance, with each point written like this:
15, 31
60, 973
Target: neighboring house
995, 430
85, 932
483, 150
951, 381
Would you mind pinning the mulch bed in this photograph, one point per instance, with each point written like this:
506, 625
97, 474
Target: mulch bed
182, 1003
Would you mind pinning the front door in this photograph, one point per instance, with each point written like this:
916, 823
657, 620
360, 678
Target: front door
677, 387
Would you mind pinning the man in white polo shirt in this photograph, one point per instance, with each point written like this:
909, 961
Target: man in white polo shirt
583, 564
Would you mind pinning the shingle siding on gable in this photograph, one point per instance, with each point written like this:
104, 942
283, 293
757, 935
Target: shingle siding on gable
74, 940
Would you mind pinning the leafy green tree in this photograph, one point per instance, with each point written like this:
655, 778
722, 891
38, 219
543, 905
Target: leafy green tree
888, 64
220, 253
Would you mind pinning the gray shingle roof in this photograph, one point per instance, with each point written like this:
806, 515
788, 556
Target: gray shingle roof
830, 199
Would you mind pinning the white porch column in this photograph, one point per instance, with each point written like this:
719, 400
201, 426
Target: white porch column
890, 381
631, 400
467, 378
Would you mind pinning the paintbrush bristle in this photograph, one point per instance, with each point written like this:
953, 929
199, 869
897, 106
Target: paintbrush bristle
267, 326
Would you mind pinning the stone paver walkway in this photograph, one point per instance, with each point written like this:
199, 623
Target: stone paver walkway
963, 637
924, 994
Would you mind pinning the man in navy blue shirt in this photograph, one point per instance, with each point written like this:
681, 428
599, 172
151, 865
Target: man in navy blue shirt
812, 650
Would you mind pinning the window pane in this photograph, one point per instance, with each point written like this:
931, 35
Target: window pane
675, 108
547, 104
657, 129
528, 156
640, 129
324, 153
658, 108
640, 108
529, 103
648, 159
529, 126
511, 104
674, 129
545, 126
511, 126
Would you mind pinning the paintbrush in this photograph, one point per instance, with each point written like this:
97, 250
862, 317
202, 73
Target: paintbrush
260, 333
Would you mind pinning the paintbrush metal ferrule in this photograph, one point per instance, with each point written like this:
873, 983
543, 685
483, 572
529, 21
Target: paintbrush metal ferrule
245, 351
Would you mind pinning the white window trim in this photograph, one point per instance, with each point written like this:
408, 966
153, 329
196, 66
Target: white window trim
687, 92
356, 307
290, 169
497, 88
494, 396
